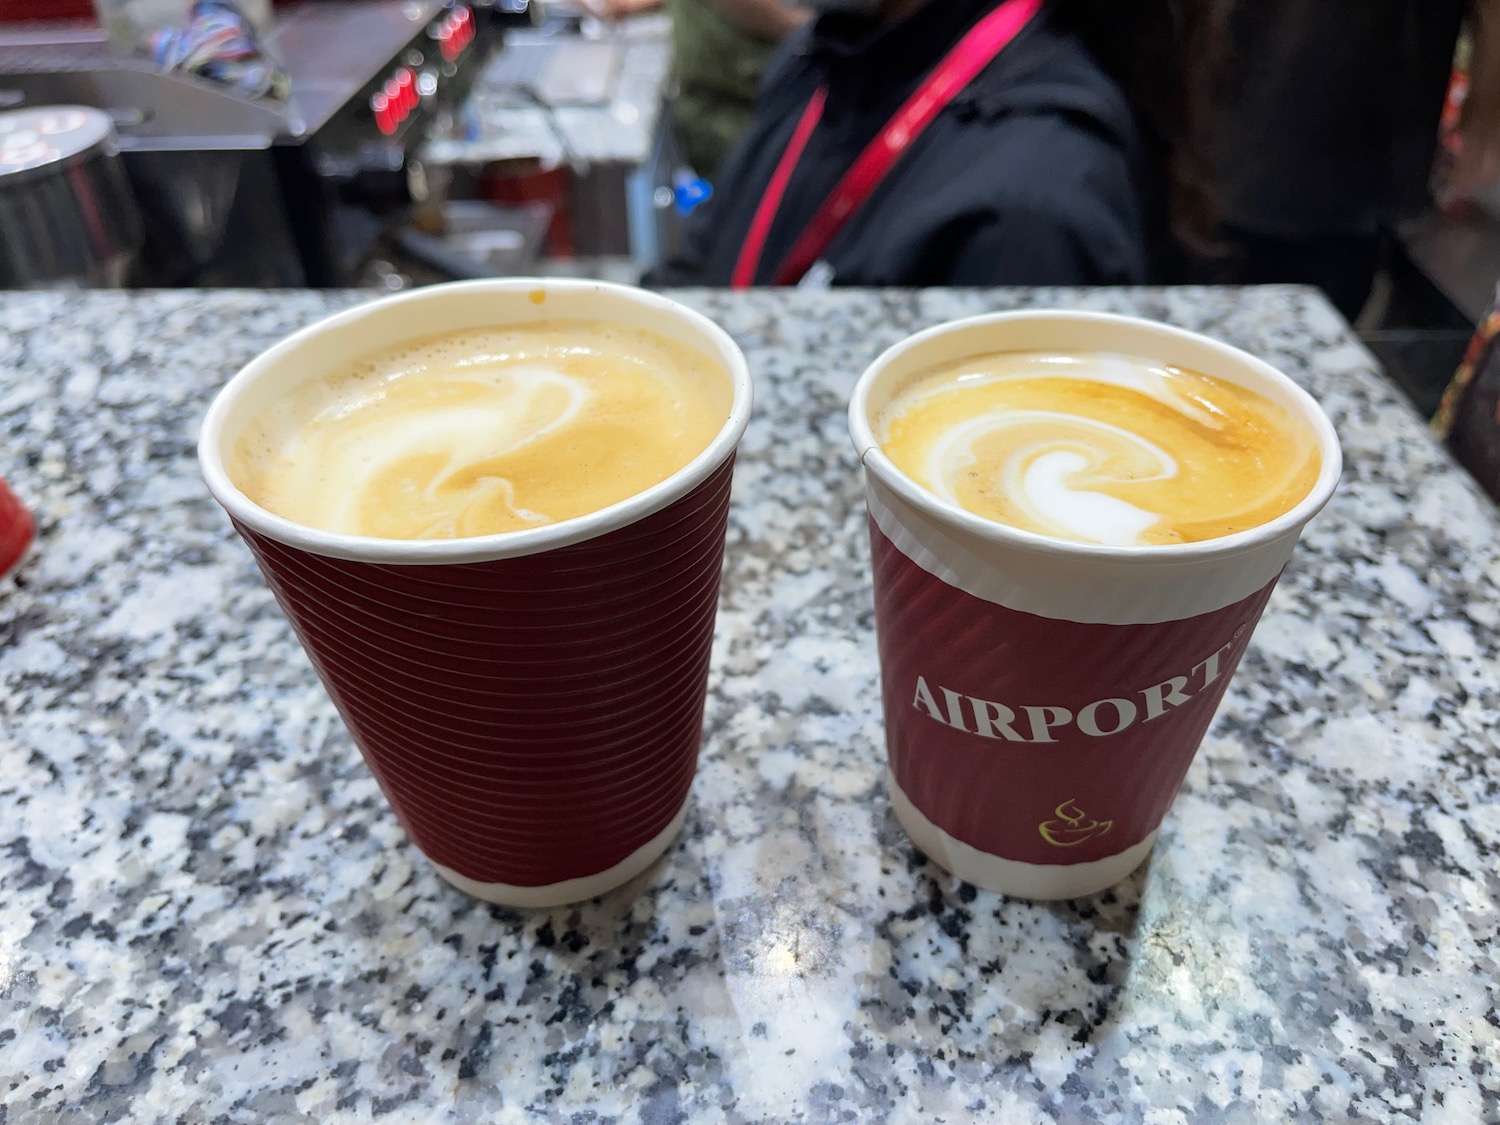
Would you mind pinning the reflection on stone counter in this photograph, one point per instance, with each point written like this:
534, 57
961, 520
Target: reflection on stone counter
207, 912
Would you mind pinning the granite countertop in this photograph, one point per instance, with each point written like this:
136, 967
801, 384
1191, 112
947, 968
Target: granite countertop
208, 914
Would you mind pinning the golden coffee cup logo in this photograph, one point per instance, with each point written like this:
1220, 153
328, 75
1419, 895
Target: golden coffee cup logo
1098, 448
1072, 826
484, 431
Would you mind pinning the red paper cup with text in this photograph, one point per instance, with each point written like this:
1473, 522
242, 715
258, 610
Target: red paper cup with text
16, 529
532, 702
1044, 698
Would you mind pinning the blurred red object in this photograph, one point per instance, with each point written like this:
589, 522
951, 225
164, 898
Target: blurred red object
539, 185
19, 11
1453, 107
16, 528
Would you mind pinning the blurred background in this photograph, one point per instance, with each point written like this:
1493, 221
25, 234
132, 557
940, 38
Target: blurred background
389, 143
403, 141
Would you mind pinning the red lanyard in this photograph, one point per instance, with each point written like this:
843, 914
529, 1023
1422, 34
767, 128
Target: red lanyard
973, 53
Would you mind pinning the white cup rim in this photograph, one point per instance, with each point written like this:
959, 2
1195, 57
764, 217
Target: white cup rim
874, 459
479, 548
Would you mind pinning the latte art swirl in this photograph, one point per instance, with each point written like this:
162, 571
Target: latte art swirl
481, 432
1053, 464
1099, 448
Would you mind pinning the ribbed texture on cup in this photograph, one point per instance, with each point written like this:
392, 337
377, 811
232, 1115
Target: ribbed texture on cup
534, 719
16, 528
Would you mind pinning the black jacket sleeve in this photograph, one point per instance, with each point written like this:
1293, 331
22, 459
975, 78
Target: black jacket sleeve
1065, 212
1034, 247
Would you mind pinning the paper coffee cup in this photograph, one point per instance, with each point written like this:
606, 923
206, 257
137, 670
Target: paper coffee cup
531, 703
1044, 698
16, 529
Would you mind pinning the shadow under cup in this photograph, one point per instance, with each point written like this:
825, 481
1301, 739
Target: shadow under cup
1043, 698
531, 703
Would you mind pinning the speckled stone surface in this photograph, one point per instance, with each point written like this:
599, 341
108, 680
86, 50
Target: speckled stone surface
207, 914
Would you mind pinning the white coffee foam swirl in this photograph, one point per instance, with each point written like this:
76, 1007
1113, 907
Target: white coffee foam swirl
482, 431
1041, 476
1051, 465
1128, 372
525, 404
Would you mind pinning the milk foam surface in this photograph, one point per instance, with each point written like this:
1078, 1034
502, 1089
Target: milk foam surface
483, 431
1099, 448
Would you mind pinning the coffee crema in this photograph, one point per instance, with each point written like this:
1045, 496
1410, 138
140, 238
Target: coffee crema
483, 431
1099, 448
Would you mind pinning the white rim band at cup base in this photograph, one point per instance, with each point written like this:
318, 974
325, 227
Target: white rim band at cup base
1041, 882
572, 890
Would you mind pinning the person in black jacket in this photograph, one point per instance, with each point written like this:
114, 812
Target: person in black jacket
1326, 131
1039, 171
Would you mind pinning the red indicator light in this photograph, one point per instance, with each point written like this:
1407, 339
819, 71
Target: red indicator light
456, 33
406, 85
463, 34
385, 121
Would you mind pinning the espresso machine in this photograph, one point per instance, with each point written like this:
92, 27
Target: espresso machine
241, 191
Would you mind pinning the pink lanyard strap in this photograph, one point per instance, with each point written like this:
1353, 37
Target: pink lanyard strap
973, 53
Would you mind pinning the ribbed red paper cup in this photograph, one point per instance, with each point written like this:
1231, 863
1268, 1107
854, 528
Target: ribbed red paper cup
1044, 698
531, 703
16, 529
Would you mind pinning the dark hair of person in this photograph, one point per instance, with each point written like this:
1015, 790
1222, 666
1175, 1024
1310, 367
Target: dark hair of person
1165, 55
